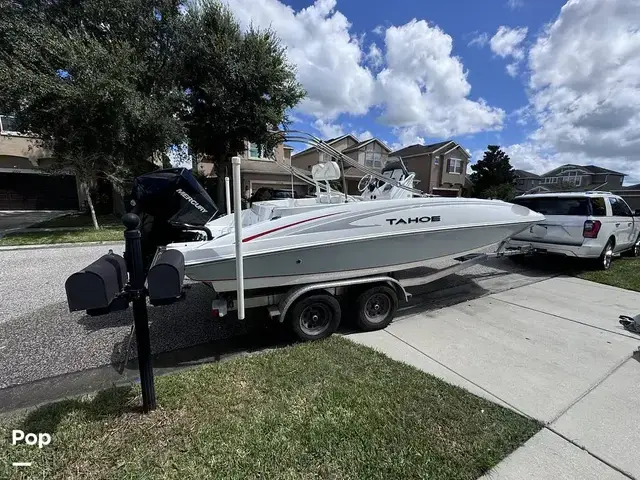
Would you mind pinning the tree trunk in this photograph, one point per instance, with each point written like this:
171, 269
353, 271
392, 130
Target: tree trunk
87, 192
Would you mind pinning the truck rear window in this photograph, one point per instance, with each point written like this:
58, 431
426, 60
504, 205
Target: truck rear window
577, 206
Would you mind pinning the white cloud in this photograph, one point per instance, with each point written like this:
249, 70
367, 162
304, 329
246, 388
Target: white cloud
512, 69
362, 134
328, 129
375, 56
507, 42
585, 84
326, 55
421, 89
513, 4
379, 30
481, 39
424, 88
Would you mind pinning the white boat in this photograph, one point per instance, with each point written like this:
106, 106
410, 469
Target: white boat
353, 240
298, 241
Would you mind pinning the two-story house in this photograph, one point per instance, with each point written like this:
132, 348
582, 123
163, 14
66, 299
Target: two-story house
258, 169
440, 168
24, 182
525, 181
572, 177
371, 153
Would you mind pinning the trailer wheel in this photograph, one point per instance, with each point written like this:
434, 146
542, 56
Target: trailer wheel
315, 317
376, 308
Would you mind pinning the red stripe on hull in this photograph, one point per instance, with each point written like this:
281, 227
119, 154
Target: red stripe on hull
267, 232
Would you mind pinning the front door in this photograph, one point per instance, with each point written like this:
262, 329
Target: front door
623, 221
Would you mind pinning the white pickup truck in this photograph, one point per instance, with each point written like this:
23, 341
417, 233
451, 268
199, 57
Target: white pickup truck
594, 225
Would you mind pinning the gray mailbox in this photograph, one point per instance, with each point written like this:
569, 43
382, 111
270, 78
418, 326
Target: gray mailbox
96, 286
166, 278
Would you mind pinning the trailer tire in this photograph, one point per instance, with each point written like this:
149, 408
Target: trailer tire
376, 307
315, 317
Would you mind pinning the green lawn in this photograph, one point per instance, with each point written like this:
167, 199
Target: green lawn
329, 409
79, 220
106, 234
111, 229
624, 273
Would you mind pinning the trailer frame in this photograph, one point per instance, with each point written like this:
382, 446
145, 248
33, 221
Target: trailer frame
279, 301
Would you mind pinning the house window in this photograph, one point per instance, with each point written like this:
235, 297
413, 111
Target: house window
7, 124
373, 155
454, 165
257, 152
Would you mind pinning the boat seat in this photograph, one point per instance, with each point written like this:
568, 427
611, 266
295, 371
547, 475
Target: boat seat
328, 198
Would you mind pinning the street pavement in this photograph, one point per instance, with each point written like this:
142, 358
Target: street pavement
40, 338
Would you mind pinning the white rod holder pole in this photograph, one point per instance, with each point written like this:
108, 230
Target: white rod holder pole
227, 195
237, 206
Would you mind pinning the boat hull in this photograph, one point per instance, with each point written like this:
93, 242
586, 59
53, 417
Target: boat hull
354, 240
349, 259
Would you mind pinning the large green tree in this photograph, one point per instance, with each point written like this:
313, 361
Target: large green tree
239, 84
493, 175
94, 81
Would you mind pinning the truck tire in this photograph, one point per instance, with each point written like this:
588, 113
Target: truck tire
376, 307
635, 250
604, 262
315, 317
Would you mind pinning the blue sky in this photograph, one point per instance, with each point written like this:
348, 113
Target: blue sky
546, 79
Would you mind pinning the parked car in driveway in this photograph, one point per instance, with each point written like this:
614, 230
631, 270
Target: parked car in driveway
591, 225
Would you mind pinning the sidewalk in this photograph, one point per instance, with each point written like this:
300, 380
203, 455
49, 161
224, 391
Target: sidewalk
553, 351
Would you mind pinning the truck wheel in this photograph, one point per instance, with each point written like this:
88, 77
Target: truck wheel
635, 250
604, 262
376, 307
315, 317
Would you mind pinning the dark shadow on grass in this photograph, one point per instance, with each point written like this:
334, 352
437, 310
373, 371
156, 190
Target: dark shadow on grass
109, 403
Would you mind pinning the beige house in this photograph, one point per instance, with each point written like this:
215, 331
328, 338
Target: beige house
371, 153
258, 170
440, 168
24, 182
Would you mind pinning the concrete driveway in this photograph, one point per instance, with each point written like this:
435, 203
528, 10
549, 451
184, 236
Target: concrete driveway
12, 220
551, 350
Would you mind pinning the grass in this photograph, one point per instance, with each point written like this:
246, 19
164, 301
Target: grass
111, 229
624, 273
79, 220
105, 234
329, 409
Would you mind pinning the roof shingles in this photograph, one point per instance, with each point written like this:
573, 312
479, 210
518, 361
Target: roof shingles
418, 149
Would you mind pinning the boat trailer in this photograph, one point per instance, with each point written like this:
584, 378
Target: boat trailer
314, 310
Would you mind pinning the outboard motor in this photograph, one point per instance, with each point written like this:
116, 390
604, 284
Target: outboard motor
172, 207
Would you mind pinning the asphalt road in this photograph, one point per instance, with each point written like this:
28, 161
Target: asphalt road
39, 338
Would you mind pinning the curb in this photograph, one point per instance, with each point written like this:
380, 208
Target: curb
58, 245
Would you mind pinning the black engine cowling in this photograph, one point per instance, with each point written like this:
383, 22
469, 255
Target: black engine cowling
172, 207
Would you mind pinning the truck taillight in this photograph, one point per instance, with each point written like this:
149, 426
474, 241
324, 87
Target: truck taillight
591, 228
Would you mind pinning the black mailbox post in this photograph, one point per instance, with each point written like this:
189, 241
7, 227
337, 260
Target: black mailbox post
141, 320
103, 287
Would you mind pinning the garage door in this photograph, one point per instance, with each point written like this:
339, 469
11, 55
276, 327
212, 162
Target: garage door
31, 191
